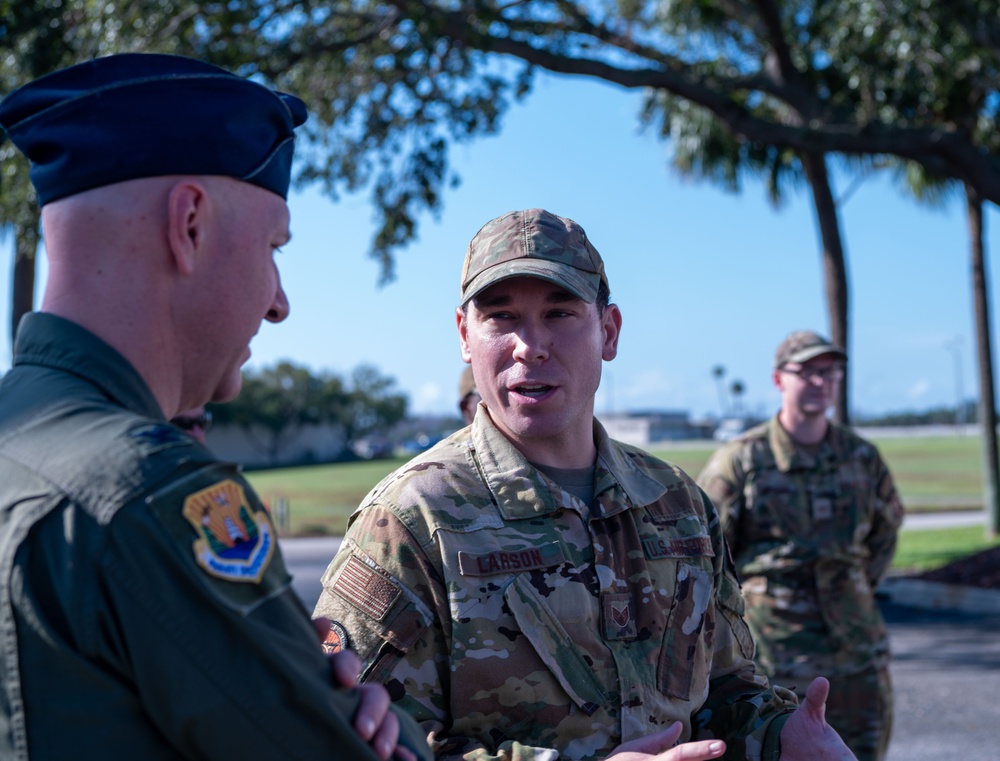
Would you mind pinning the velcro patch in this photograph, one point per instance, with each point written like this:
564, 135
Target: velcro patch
657, 547
822, 508
366, 589
235, 542
336, 639
618, 616
505, 561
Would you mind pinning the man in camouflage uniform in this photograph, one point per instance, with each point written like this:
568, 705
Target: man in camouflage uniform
531, 589
811, 516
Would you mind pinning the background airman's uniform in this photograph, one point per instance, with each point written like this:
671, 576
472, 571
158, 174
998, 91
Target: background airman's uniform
813, 532
513, 620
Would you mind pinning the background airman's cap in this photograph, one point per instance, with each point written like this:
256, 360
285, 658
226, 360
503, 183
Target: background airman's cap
803, 345
466, 384
533, 243
135, 115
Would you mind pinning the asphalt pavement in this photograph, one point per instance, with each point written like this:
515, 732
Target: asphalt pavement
946, 654
946, 674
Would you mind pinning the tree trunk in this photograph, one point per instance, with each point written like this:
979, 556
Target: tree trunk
834, 265
987, 400
23, 281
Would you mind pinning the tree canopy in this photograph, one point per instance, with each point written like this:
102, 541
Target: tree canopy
278, 401
391, 83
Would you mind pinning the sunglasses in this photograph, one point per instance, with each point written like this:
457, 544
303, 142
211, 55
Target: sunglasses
189, 423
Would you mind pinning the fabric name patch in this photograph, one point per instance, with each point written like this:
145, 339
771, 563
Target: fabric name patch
234, 541
503, 561
656, 547
366, 589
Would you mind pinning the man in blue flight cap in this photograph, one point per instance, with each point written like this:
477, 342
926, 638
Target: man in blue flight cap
145, 610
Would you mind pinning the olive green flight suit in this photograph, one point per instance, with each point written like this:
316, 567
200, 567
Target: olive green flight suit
145, 610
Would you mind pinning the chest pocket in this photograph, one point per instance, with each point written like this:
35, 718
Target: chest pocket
777, 507
557, 649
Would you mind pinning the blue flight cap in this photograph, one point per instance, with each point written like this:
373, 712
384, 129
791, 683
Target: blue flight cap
135, 115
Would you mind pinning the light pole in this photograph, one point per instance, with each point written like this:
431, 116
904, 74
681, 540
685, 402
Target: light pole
955, 347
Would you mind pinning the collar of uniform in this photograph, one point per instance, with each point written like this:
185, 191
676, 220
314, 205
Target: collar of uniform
520, 491
616, 470
517, 488
50, 341
788, 455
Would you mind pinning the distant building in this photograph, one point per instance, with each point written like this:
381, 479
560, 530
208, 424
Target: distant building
308, 444
646, 428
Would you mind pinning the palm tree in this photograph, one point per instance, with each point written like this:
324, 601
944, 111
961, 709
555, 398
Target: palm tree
719, 372
737, 389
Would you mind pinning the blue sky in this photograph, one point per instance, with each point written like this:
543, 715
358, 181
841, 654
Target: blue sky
703, 277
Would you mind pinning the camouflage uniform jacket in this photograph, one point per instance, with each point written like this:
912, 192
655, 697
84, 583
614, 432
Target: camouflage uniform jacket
131, 626
812, 532
513, 621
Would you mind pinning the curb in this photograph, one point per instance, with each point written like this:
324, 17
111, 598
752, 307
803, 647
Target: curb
933, 595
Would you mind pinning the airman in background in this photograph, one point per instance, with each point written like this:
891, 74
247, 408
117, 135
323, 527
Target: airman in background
811, 515
468, 396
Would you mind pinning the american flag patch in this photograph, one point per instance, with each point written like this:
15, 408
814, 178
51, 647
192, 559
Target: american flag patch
366, 589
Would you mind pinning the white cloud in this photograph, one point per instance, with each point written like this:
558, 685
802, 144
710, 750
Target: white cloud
428, 397
918, 390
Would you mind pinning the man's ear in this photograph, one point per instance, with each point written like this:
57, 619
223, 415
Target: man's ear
461, 320
611, 326
187, 215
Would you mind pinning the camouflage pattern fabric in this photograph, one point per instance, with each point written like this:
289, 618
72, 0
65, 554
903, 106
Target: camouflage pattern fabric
812, 531
514, 621
536, 243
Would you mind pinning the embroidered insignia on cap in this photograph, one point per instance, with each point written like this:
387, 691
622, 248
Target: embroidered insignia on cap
336, 639
366, 588
234, 541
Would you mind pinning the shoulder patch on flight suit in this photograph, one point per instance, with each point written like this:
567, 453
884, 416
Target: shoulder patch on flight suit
234, 541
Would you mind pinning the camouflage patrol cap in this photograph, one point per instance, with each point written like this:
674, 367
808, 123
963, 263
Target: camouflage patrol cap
803, 345
533, 243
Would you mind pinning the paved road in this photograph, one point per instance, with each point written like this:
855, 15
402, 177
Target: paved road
946, 672
946, 669
919, 521
307, 558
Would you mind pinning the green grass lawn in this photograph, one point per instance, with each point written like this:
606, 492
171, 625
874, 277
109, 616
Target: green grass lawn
927, 549
931, 473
